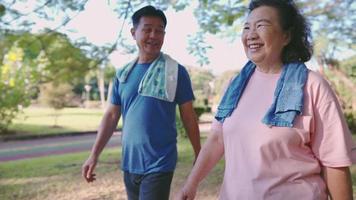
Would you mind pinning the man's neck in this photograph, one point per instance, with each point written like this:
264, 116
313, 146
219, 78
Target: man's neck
146, 58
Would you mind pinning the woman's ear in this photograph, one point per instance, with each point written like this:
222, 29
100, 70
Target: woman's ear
287, 37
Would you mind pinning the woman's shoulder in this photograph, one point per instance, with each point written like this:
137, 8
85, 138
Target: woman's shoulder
318, 87
315, 77
316, 80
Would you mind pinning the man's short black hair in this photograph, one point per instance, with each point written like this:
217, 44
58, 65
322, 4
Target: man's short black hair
148, 11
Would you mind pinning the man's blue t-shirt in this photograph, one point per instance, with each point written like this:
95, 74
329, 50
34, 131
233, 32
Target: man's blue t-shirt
149, 129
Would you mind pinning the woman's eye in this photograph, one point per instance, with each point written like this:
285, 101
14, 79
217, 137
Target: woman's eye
261, 25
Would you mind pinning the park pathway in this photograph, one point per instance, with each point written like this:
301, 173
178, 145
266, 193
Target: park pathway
16, 150
23, 149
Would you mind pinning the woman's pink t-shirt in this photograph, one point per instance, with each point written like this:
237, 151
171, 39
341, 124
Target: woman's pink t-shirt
280, 163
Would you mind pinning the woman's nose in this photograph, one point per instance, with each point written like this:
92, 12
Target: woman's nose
252, 35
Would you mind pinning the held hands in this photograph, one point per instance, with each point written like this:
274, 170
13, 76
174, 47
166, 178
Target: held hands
88, 169
186, 193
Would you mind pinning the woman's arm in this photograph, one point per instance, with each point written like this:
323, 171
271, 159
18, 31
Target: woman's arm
338, 182
209, 155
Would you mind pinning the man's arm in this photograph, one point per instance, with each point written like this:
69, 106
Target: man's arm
338, 182
106, 129
190, 123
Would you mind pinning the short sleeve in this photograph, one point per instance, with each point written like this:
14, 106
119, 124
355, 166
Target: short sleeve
184, 91
115, 96
331, 141
216, 126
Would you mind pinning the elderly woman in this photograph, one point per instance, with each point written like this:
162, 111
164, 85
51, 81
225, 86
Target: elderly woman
279, 125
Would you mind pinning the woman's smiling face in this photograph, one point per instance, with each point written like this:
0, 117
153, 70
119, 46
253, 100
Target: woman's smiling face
263, 37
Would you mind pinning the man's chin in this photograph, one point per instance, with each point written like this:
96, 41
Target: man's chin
153, 51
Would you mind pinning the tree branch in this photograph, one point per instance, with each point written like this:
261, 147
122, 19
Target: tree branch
114, 45
19, 15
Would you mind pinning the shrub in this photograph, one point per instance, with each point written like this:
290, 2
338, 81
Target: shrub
199, 110
15, 86
351, 121
56, 96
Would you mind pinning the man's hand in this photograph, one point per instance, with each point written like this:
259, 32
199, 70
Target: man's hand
88, 169
105, 131
186, 194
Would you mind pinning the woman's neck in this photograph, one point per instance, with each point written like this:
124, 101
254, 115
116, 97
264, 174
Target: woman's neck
274, 68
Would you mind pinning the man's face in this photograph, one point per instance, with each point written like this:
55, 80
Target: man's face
149, 36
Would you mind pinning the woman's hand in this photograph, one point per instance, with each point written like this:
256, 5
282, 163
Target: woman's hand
186, 193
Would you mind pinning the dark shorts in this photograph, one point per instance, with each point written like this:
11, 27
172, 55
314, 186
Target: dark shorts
154, 186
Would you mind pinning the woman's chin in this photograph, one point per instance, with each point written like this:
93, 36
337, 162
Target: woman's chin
255, 60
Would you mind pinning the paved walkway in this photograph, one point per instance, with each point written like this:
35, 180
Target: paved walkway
16, 150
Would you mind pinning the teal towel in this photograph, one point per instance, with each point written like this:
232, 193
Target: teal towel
160, 80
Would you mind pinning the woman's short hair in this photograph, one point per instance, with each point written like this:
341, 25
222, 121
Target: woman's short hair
299, 48
148, 11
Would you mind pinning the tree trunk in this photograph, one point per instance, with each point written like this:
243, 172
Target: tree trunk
321, 65
109, 92
101, 86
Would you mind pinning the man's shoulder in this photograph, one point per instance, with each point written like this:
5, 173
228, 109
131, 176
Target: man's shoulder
182, 69
122, 68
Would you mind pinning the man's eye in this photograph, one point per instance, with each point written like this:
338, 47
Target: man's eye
246, 28
159, 31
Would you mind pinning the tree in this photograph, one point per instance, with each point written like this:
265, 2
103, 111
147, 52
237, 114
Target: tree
202, 81
221, 83
15, 81
59, 13
56, 96
51, 55
333, 24
27, 60
104, 77
220, 17
348, 66
343, 81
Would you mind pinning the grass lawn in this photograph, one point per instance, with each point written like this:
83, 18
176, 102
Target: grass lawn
40, 121
59, 177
